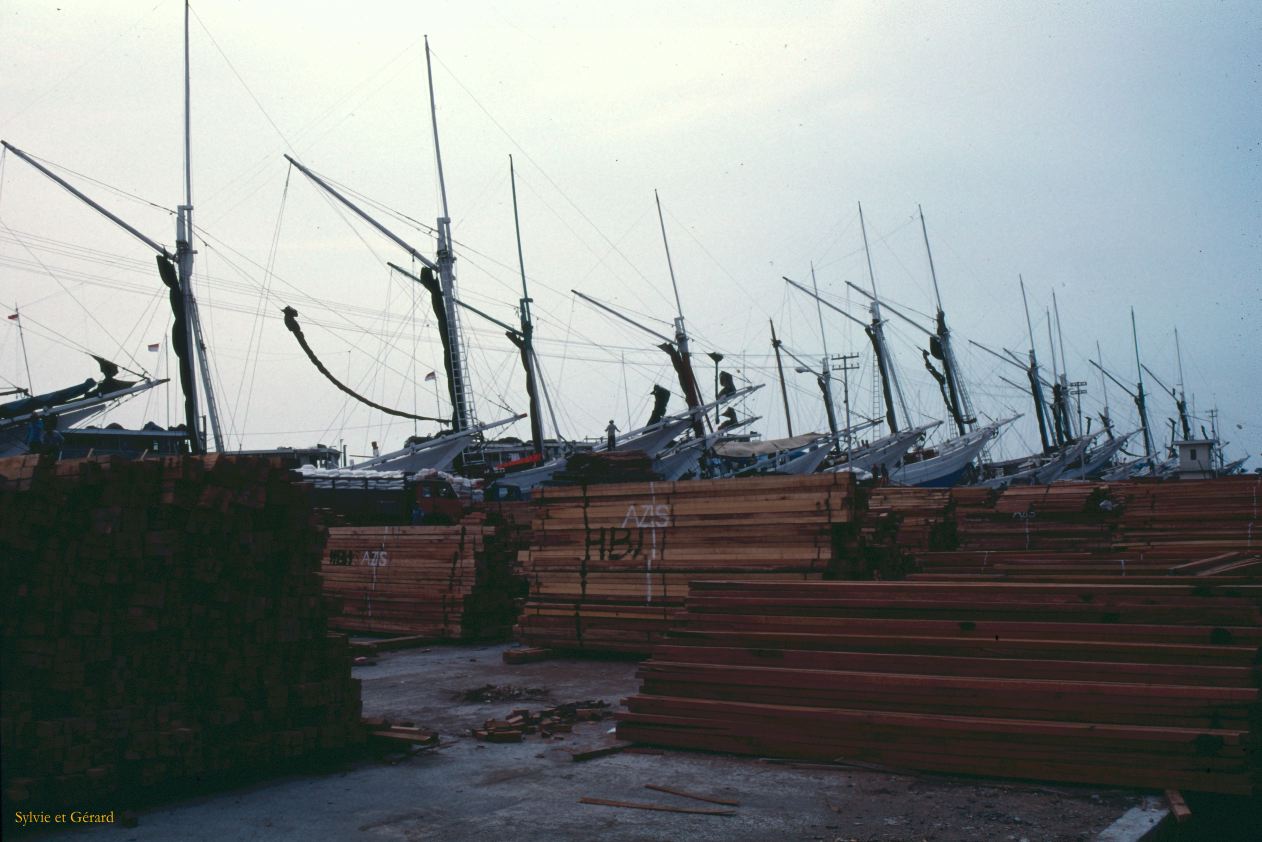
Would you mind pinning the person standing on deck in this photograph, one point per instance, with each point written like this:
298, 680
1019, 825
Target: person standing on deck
52, 439
611, 431
35, 432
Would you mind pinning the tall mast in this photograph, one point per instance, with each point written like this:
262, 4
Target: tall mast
1072, 431
184, 252
1140, 401
463, 416
784, 392
669, 264
1060, 396
527, 327
195, 343
1060, 336
681, 333
1036, 388
825, 370
889, 384
1178, 352
1181, 401
30, 384
958, 401
1104, 390
188, 125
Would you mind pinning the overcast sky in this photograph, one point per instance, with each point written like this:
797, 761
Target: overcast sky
1110, 153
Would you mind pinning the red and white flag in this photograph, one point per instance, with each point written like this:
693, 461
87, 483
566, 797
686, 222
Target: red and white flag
155, 346
433, 375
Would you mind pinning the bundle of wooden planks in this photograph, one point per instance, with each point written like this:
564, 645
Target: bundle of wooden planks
1081, 531
452, 582
163, 629
1133, 685
609, 564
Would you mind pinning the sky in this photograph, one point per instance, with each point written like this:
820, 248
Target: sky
1109, 154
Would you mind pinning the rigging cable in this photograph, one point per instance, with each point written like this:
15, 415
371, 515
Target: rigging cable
256, 322
89, 313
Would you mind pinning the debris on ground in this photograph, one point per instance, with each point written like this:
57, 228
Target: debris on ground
526, 655
710, 799
405, 732
661, 808
502, 693
600, 751
545, 723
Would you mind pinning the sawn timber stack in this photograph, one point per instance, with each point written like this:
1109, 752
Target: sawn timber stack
450, 582
163, 629
1133, 685
609, 564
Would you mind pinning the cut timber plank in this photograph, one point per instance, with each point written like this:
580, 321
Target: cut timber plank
661, 808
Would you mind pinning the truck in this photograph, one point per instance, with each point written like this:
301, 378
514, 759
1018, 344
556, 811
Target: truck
385, 498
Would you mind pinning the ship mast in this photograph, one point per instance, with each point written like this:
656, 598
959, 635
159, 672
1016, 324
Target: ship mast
958, 400
784, 393
1036, 387
1182, 402
527, 329
876, 332
692, 395
1067, 389
1058, 392
1104, 390
464, 416
1140, 401
825, 369
195, 343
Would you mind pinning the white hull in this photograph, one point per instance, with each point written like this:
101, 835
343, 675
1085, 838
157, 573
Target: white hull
1095, 460
883, 453
651, 440
1043, 473
436, 454
952, 459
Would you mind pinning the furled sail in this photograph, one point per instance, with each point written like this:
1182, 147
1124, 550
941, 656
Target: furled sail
26, 405
444, 331
291, 322
179, 339
536, 423
687, 382
109, 380
660, 397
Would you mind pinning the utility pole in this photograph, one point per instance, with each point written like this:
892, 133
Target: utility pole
846, 363
1077, 389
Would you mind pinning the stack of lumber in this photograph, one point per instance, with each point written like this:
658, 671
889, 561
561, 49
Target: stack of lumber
916, 515
604, 467
450, 582
1132, 685
1085, 531
1199, 517
1063, 516
891, 523
1047, 566
163, 629
609, 564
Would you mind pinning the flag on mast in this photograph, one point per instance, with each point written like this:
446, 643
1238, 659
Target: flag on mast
433, 375
155, 346
13, 318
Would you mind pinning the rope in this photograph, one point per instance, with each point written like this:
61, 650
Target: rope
291, 322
